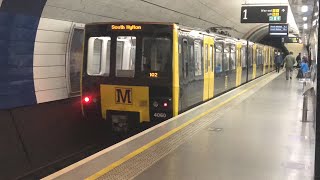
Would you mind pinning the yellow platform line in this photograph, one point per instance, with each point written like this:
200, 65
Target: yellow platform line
159, 139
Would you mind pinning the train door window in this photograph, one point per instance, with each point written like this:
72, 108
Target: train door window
185, 58
226, 58
99, 56
125, 56
258, 56
262, 56
74, 60
206, 58
198, 58
212, 57
218, 57
191, 52
155, 54
243, 57
250, 59
233, 57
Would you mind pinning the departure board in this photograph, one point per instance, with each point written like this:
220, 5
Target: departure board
278, 29
264, 14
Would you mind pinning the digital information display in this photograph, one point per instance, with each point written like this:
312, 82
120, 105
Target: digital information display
292, 40
264, 14
278, 29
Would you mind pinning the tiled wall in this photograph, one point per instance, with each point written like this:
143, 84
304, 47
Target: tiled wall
49, 65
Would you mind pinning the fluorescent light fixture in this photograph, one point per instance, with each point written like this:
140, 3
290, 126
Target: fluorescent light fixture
305, 26
304, 8
305, 18
316, 14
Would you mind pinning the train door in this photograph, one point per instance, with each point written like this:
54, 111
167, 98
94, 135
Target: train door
205, 68
254, 64
238, 65
264, 61
211, 69
208, 89
249, 49
270, 59
219, 74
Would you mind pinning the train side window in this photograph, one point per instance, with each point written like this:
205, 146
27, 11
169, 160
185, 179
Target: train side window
226, 58
243, 57
98, 56
233, 57
198, 58
218, 58
125, 56
185, 58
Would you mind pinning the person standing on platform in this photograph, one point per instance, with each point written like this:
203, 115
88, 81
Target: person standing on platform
289, 61
278, 62
298, 59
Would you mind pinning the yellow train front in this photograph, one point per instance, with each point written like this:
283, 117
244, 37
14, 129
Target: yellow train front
142, 72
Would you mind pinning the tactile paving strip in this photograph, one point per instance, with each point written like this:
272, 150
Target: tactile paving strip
136, 165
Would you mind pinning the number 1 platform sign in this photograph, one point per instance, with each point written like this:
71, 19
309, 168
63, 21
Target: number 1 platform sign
264, 14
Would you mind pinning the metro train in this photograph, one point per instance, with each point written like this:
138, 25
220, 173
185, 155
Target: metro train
143, 72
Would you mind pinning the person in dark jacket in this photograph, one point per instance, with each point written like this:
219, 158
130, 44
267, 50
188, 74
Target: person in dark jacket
278, 61
298, 59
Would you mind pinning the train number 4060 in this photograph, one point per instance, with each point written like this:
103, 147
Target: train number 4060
160, 115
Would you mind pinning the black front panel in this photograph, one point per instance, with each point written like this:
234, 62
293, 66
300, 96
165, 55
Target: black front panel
160, 103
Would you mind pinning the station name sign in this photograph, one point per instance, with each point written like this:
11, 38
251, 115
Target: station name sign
126, 27
278, 29
264, 14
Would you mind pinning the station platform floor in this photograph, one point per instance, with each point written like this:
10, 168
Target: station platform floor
254, 133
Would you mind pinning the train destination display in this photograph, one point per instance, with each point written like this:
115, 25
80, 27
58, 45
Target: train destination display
264, 14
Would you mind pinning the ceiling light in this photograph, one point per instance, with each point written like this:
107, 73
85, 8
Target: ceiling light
316, 14
305, 18
304, 8
305, 26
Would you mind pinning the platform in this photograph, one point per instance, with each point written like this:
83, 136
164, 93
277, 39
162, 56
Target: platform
253, 132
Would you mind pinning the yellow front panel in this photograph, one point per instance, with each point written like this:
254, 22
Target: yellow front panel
125, 98
175, 72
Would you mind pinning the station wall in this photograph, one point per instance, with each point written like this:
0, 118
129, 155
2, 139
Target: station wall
33, 55
49, 60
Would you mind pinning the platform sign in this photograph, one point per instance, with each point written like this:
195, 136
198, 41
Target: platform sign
264, 14
278, 29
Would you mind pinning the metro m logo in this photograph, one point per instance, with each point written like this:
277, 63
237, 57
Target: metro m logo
123, 96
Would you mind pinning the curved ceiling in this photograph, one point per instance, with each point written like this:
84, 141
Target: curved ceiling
195, 13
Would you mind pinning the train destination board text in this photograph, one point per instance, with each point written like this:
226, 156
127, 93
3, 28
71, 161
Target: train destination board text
126, 27
264, 14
